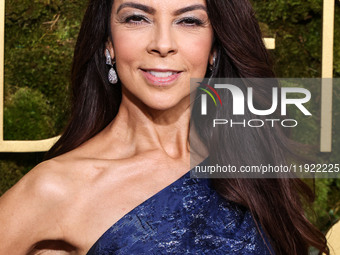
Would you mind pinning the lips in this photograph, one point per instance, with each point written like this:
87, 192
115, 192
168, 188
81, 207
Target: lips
161, 77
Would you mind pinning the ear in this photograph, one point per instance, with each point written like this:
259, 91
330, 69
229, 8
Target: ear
212, 55
109, 46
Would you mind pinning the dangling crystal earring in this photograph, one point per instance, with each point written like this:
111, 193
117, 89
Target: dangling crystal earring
113, 78
213, 66
212, 69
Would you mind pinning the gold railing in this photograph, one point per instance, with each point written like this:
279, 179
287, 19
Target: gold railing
6, 145
327, 73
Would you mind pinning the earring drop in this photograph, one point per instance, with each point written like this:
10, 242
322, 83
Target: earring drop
113, 78
212, 67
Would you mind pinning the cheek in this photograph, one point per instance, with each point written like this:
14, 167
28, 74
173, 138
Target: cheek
126, 51
196, 51
125, 47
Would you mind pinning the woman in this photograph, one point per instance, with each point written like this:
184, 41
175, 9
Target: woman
117, 181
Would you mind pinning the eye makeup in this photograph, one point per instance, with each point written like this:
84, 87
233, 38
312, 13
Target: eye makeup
140, 19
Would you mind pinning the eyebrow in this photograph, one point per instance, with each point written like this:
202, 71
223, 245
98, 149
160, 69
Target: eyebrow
142, 7
151, 10
190, 8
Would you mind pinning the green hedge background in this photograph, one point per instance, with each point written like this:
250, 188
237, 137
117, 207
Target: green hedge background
39, 40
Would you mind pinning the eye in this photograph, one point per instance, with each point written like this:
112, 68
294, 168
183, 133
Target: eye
190, 21
135, 19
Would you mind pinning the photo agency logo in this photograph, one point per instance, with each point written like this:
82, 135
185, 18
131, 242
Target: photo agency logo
204, 97
238, 124
281, 97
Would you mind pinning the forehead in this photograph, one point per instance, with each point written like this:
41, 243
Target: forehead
160, 5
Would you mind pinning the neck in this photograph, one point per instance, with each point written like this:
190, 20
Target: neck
144, 129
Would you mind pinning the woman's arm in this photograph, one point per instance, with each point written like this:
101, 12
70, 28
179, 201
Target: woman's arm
31, 211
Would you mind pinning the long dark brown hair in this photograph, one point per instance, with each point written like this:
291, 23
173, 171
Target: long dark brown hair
277, 204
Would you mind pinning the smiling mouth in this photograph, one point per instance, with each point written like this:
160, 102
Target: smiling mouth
161, 77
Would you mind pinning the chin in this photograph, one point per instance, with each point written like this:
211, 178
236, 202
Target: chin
163, 105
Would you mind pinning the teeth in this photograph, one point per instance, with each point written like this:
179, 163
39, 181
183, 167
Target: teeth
161, 74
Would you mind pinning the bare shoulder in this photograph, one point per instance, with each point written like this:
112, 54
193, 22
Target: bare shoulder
43, 181
29, 211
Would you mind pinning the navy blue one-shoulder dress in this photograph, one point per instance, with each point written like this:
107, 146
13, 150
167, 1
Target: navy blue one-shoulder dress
186, 217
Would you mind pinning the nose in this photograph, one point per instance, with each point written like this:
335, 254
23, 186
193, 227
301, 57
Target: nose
162, 41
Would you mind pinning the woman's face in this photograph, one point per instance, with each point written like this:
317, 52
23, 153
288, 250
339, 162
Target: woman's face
158, 46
